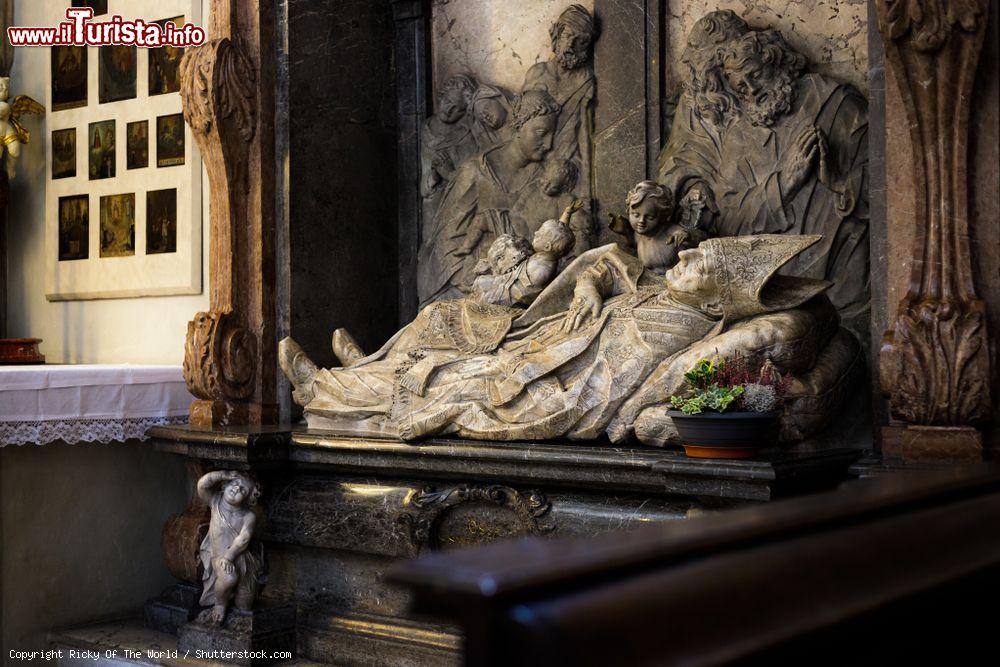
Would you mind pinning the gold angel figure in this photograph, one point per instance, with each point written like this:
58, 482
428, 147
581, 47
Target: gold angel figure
13, 132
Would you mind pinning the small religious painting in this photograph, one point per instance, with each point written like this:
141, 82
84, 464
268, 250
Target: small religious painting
137, 145
74, 227
118, 225
99, 6
164, 65
64, 153
101, 141
170, 140
161, 221
116, 76
69, 77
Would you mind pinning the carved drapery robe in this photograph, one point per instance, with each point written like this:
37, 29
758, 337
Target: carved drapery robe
513, 288
693, 152
832, 203
538, 382
477, 196
454, 146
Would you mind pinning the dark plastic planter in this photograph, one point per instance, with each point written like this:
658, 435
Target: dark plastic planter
725, 435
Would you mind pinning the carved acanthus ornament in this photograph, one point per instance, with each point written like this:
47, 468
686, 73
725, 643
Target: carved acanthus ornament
935, 361
218, 83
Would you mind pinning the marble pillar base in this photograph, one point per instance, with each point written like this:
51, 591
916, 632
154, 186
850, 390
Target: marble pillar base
174, 607
256, 637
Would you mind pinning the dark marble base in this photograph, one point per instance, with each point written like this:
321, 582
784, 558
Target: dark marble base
244, 638
593, 467
174, 607
342, 511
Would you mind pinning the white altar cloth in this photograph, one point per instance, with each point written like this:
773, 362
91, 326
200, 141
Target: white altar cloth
88, 403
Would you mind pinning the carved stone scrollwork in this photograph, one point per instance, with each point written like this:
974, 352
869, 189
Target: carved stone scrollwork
227, 357
935, 360
468, 514
219, 358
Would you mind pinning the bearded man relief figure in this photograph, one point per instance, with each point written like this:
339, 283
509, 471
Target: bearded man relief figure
569, 78
765, 147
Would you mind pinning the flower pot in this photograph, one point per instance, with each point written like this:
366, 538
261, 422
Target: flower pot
725, 435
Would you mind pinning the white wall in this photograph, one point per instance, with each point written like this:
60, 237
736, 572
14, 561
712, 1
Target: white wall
142, 330
81, 529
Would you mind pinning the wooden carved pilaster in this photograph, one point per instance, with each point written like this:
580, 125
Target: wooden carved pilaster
227, 86
935, 364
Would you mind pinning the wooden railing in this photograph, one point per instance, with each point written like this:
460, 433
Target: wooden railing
879, 572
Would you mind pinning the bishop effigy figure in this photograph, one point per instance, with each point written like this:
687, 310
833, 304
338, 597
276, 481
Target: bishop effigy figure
584, 360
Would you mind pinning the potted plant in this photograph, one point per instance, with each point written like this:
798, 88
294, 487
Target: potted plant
729, 410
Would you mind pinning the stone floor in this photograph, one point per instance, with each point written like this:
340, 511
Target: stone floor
127, 642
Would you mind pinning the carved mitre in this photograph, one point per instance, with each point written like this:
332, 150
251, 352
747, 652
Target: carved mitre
746, 273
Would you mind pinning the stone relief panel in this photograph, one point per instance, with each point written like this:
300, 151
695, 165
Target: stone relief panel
764, 146
497, 40
831, 34
760, 143
498, 160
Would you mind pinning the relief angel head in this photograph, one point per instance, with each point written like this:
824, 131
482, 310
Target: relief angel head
455, 98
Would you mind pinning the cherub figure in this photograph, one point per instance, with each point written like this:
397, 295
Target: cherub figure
232, 569
504, 255
558, 179
658, 241
518, 274
14, 134
558, 182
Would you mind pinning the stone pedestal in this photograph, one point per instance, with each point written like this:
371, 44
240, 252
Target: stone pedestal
342, 510
257, 637
174, 607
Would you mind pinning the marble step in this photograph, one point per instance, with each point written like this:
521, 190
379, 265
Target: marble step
366, 640
328, 639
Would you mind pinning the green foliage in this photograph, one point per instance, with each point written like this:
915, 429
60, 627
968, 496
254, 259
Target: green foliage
713, 397
703, 375
718, 385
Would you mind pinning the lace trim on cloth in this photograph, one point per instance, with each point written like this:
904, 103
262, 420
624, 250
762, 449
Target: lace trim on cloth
82, 430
